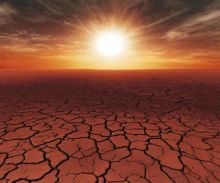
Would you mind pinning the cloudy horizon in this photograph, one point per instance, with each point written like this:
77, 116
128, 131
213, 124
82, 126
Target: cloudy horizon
54, 33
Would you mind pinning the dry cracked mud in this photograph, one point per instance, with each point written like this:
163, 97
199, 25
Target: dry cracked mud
109, 126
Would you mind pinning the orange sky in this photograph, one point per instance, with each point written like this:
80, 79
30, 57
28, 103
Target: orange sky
163, 35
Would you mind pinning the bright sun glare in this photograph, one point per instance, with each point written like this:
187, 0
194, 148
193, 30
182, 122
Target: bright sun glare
110, 44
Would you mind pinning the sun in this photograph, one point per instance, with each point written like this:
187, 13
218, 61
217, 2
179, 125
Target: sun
110, 43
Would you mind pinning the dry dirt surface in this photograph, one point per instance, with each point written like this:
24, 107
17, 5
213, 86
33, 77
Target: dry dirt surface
110, 126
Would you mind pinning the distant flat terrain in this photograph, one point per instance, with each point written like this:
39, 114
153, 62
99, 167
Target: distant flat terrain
110, 126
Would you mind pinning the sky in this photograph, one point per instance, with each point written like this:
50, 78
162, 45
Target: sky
58, 34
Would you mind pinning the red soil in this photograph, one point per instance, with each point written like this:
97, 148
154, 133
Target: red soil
110, 126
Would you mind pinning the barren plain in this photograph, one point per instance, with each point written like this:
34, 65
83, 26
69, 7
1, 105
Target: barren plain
110, 126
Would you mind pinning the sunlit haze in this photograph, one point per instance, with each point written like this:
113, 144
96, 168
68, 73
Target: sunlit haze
109, 34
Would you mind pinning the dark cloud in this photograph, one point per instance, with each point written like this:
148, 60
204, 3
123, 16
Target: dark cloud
156, 13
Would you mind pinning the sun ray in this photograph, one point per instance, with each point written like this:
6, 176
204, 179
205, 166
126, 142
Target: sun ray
110, 43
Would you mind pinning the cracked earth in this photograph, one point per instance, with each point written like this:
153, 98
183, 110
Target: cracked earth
87, 127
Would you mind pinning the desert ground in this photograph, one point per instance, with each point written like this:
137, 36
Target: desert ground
66, 126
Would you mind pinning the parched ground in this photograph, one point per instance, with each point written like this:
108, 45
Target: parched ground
108, 126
